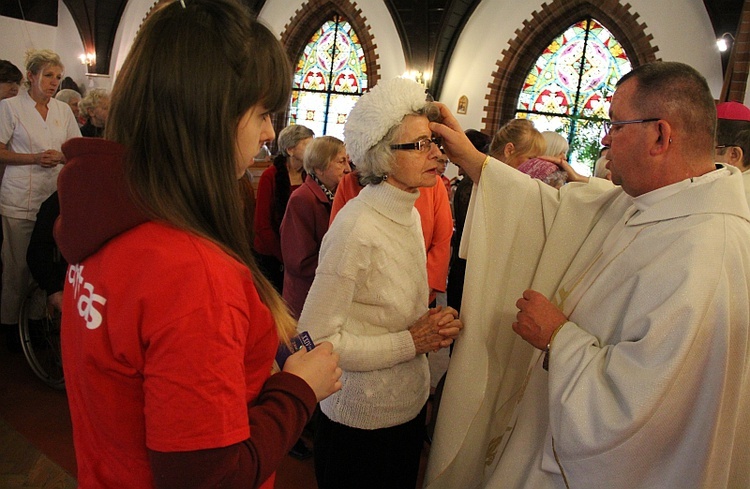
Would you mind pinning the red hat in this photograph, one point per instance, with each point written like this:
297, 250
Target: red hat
733, 111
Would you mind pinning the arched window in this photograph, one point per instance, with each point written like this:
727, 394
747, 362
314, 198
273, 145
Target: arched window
330, 76
570, 87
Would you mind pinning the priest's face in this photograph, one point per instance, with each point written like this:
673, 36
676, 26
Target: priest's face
632, 130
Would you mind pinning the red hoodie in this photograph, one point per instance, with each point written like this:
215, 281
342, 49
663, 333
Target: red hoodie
167, 348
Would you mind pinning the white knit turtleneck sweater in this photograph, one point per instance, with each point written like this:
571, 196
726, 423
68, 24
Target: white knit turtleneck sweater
370, 286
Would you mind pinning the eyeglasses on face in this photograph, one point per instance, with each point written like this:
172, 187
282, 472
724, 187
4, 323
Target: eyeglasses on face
609, 124
423, 145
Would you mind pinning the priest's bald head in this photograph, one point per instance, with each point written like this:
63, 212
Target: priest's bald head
663, 120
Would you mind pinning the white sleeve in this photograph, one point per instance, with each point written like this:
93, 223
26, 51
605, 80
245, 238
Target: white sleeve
345, 262
7, 122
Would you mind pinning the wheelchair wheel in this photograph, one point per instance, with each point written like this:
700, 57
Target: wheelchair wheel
40, 338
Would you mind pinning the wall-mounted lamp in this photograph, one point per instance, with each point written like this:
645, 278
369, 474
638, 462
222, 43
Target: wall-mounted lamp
88, 59
722, 43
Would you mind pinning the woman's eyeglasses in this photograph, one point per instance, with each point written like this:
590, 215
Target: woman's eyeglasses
423, 145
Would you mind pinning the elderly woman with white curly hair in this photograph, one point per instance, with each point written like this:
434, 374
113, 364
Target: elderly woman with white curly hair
370, 298
95, 109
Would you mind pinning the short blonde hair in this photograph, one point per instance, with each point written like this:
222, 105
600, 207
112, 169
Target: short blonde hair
523, 135
320, 152
37, 59
91, 100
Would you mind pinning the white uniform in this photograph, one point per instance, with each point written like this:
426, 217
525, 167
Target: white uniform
23, 130
25, 187
649, 381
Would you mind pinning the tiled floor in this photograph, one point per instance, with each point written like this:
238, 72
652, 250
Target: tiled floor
22, 465
35, 434
36, 443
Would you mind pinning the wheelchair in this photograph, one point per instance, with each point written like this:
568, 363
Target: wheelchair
40, 337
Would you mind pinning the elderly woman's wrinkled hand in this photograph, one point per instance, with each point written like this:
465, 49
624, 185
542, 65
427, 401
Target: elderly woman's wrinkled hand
318, 367
457, 145
436, 329
450, 326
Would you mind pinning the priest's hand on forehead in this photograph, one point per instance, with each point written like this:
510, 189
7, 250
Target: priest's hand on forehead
457, 145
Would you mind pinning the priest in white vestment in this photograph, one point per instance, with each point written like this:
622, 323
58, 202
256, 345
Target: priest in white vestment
645, 335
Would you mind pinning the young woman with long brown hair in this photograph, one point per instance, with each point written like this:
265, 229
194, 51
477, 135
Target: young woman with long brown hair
168, 328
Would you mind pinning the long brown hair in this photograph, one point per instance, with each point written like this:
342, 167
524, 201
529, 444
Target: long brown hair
192, 72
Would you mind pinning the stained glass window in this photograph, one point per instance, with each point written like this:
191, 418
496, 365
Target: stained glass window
329, 78
570, 87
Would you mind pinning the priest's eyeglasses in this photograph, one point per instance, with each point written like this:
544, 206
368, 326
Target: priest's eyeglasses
609, 124
423, 145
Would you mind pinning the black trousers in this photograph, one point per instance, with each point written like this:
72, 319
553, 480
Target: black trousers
386, 458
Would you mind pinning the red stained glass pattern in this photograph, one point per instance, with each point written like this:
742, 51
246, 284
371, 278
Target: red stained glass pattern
330, 76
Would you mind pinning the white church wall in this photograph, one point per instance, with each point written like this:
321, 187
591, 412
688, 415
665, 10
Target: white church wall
683, 32
20, 36
68, 45
132, 17
276, 14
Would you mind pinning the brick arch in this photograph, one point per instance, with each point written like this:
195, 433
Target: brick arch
538, 32
154, 7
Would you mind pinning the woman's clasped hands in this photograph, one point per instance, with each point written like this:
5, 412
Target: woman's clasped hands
436, 329
49, 158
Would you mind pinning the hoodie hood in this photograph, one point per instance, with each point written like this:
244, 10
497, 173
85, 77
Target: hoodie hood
95, 203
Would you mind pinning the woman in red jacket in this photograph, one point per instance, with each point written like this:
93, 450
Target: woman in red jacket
307, 216
274, 188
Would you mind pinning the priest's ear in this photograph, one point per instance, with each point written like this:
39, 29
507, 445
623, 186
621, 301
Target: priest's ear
735, 156
731, 155
742, 142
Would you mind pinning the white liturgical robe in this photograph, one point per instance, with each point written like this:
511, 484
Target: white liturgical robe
649, 380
